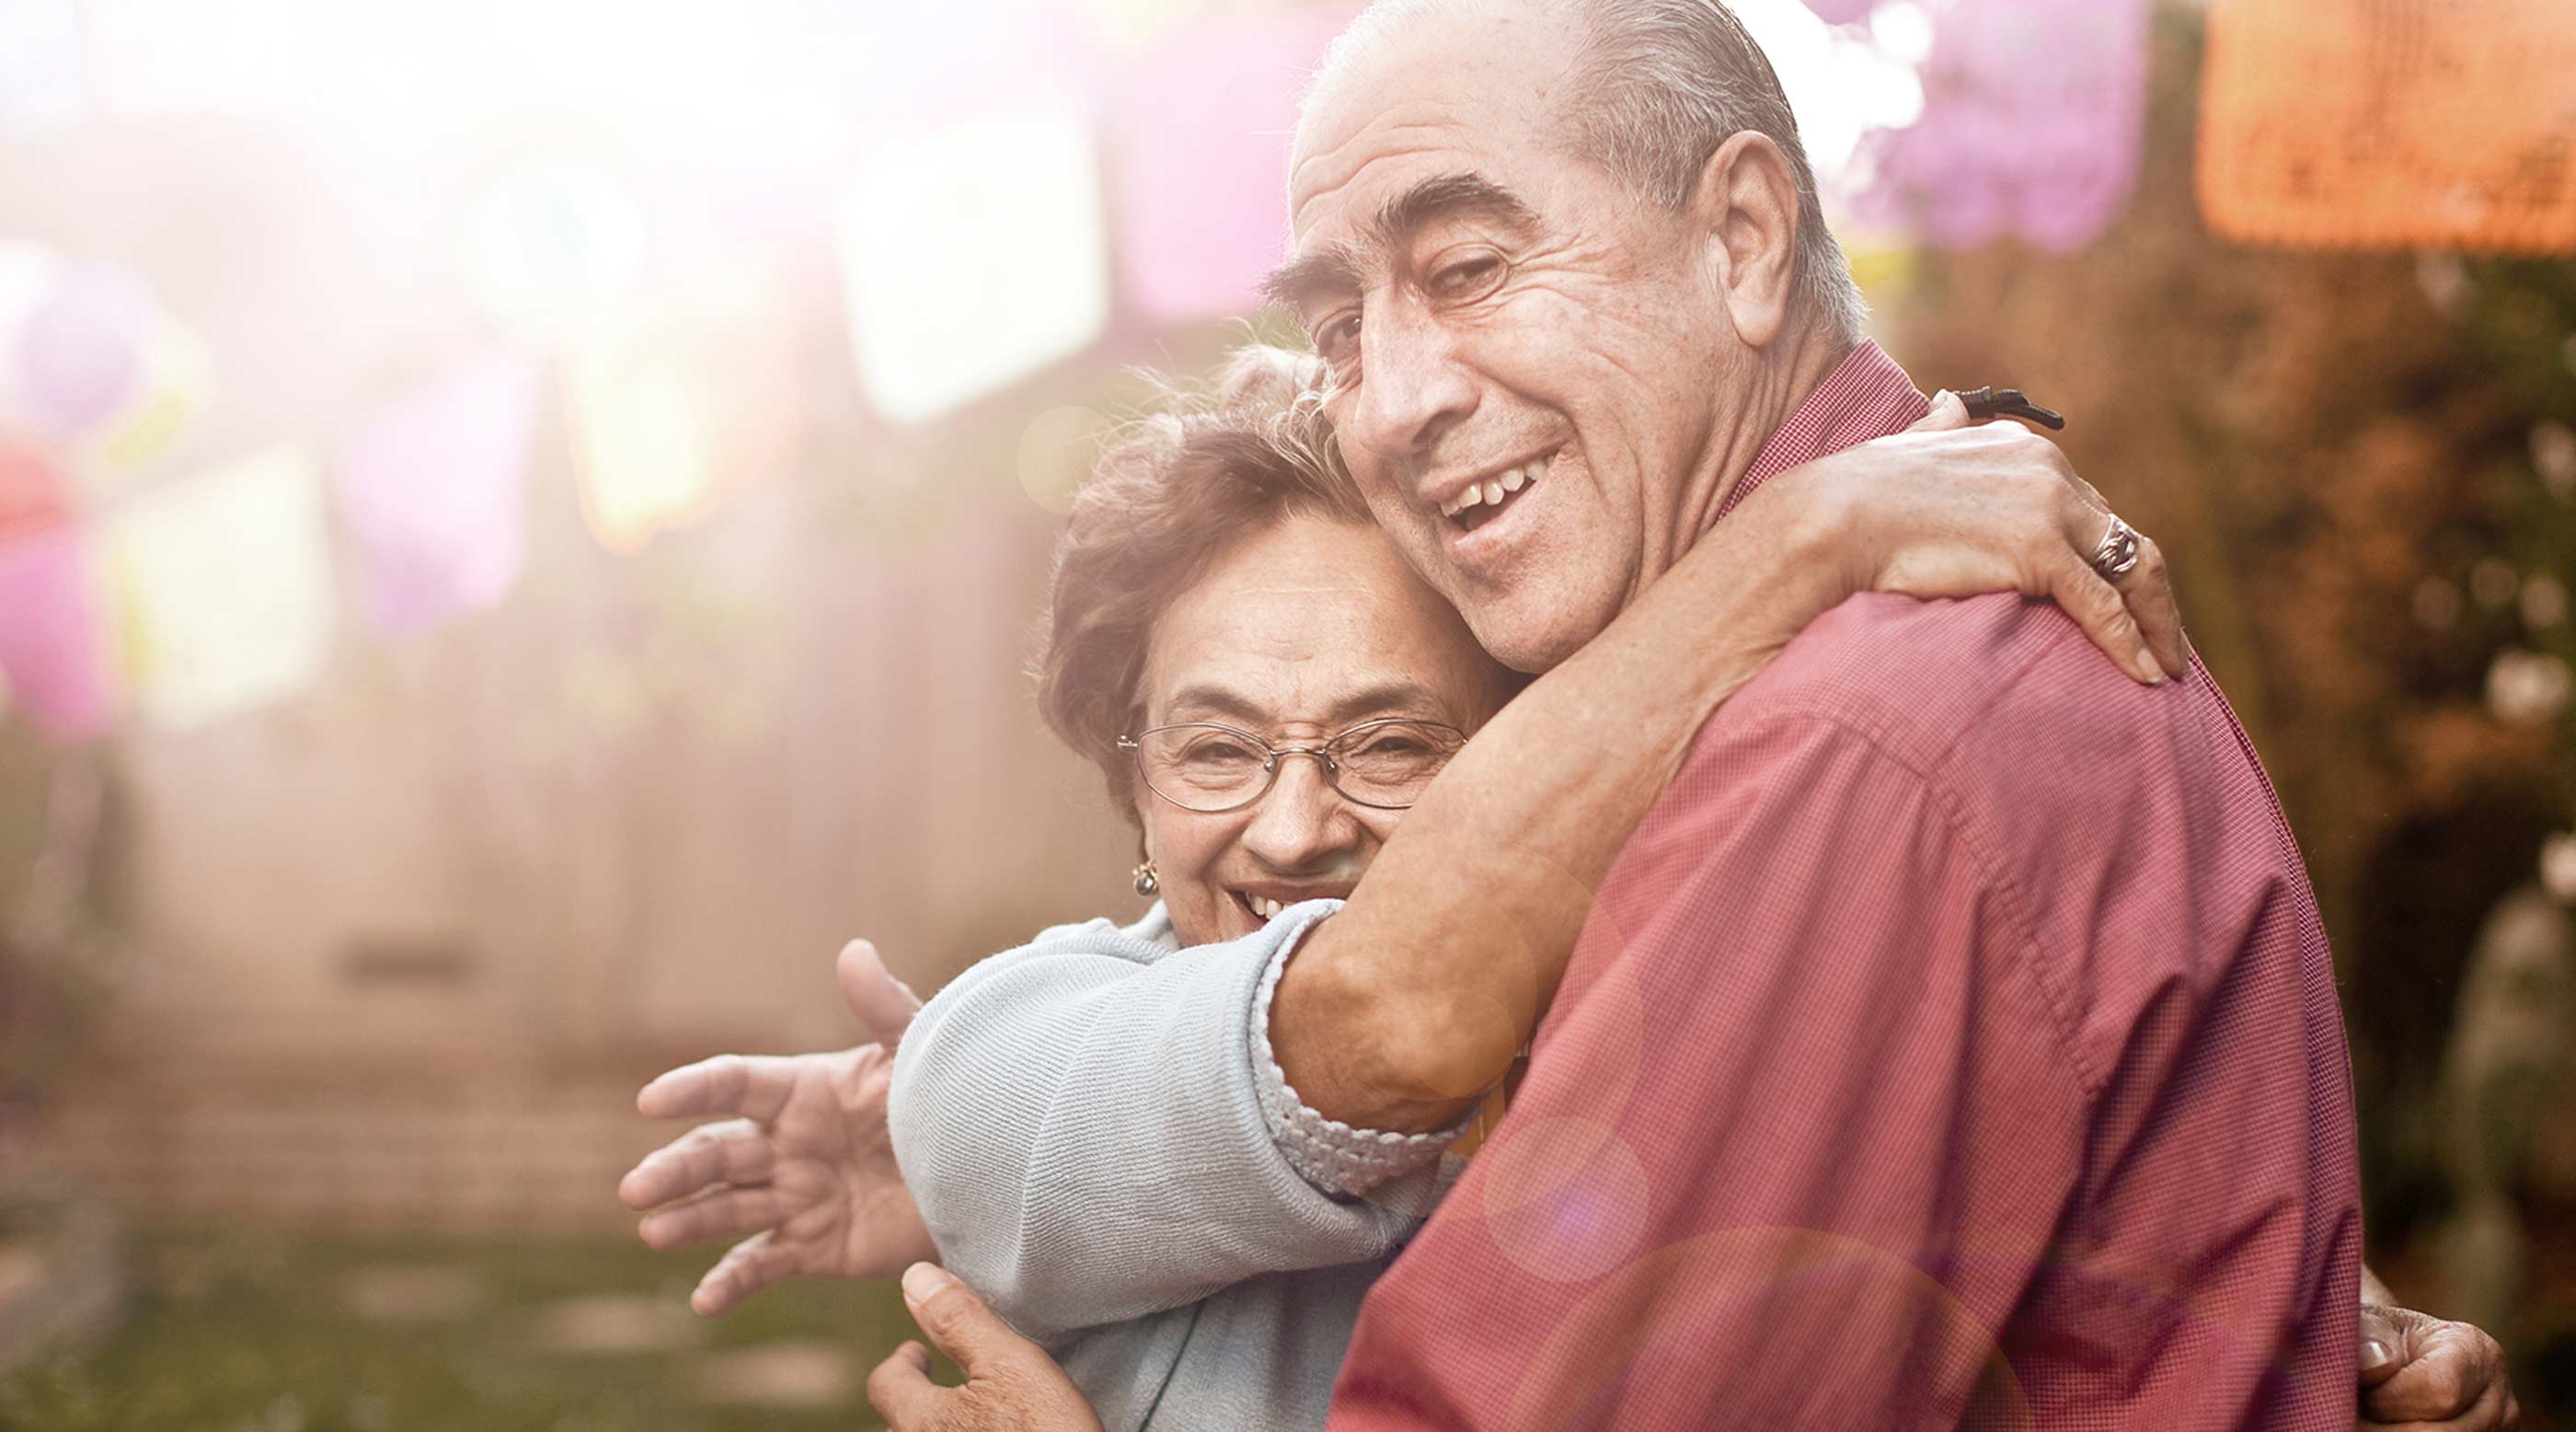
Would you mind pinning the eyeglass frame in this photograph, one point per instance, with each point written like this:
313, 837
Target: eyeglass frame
1273, 755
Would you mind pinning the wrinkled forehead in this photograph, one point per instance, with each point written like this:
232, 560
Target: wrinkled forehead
1470, 88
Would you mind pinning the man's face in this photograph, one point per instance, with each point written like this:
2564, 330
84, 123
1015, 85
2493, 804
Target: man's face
1502, 316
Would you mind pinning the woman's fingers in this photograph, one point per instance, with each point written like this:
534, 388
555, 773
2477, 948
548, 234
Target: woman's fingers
2103, 612
2149, 589
884, 1004
2145, 591
755, 1086
745, 1269
726, 1213
1947, 412
735, 1151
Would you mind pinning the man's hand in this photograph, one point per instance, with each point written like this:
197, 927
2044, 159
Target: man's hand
1011, 1384
803, 1163
2422, 1373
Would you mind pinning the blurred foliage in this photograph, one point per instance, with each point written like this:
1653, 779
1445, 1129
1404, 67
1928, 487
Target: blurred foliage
58, 915
2354, 462
251, 1332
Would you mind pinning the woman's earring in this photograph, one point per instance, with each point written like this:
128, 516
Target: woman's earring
1148, 879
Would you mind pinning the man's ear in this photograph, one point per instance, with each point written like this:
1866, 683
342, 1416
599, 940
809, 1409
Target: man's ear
1745, 213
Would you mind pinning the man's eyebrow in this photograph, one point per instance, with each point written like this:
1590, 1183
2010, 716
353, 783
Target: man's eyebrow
1444, 196
1334, 268
1340, 267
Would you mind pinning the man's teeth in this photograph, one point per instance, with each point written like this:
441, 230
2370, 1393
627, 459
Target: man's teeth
1492, 493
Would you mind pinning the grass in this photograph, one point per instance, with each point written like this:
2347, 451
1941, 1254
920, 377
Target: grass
254, 1332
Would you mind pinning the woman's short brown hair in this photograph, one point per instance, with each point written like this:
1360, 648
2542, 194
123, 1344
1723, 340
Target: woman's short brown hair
1175, 492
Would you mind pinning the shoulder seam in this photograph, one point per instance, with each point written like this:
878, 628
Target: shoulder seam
1981, 852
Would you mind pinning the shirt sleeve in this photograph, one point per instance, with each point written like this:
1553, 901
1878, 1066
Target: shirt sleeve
1755, 1174
1083, 1126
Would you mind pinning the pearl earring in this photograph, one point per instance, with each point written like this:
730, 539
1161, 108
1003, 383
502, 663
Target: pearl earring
1148, 879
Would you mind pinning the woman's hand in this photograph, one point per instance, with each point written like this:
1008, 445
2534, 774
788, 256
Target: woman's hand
803, 1163
1952, 508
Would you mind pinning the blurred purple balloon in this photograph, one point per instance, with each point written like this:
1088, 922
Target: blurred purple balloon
1842, 12
432, 494
80, 350
1202, 205
2034, 112
53, 643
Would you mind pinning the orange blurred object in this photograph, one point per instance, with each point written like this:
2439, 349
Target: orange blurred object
33, 492
2406, 123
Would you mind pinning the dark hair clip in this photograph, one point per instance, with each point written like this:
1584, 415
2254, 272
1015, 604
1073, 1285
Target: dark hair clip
1984, 403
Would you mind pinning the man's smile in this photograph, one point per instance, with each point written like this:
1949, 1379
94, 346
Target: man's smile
1484, 496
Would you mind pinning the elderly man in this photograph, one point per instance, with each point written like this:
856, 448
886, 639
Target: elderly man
1956, 1042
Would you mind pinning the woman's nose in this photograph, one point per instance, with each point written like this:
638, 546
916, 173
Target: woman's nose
1302, 820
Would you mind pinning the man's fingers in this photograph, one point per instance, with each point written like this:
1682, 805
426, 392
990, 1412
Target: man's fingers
2383, 1346
1947, 412
735, 1151
726, 1214
2446, 1373
884, 1004
755, 1086
901, 1390
957, 1322
745, 1269
2494, 1411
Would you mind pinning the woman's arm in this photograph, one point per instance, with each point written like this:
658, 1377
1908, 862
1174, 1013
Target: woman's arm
1082, 1129
1401, 1011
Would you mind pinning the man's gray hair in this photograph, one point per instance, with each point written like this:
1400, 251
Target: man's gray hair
1660, 84
1656, 87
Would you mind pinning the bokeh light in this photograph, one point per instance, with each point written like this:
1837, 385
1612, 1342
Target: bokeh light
973, 255
227, 587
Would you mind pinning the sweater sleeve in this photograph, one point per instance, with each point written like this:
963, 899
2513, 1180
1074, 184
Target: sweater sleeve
1094, 1131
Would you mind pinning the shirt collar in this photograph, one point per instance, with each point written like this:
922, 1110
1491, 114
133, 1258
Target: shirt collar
1866, 396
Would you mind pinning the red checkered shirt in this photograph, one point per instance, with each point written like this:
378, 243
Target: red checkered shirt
1954, 1044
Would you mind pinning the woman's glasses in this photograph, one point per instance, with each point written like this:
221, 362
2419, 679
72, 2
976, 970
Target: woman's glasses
1205, 767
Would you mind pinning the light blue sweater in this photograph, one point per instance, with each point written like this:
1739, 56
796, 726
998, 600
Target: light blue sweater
1105, 1148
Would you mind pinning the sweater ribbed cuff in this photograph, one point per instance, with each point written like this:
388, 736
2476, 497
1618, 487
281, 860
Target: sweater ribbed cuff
1336, 1158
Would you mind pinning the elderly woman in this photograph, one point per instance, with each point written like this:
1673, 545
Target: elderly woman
1093, 1127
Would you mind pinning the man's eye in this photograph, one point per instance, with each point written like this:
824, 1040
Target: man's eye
1338, 337
1467, 279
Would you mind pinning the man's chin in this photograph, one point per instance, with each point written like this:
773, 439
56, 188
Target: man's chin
1532, 636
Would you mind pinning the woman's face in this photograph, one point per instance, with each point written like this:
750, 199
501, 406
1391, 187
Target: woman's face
1296, 635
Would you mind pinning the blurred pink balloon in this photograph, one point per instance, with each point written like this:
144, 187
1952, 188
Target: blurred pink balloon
80, 350
1199, 148
53, 636
2034, 114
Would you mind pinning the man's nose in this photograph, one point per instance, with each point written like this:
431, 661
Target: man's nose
1411, 386
1302, 822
